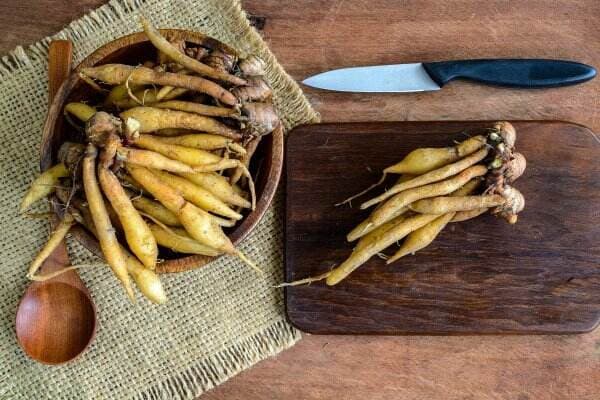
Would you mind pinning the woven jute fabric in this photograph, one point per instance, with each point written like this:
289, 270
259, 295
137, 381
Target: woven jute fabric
219, 319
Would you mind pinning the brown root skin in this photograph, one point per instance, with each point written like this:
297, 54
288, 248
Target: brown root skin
502, 139
255, 90
152, 119
197, 53
181, 58
262, 118
515, 168
506, 167
515, 203
116, 74
71, 154
252, 66
109, 152
507, 133
220, 60
101, 126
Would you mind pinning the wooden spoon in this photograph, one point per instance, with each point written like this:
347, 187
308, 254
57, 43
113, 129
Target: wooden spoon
56, 319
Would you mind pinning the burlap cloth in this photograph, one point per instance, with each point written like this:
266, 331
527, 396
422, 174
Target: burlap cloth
219, 319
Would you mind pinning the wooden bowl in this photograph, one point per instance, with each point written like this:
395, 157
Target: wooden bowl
266, 165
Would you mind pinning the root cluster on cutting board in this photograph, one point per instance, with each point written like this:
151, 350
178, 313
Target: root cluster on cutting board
435, 187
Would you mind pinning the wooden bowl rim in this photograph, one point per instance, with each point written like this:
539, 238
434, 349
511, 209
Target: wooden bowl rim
248, 223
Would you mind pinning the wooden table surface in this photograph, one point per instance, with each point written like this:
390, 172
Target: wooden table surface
313, 35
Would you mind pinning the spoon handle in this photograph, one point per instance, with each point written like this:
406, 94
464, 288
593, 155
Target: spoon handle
60, 55
59, 68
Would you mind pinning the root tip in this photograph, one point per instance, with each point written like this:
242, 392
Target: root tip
248, 262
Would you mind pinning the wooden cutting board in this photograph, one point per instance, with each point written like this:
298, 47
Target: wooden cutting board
484, 276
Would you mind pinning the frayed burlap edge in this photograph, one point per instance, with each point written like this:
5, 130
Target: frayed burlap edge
214, 370
225, 364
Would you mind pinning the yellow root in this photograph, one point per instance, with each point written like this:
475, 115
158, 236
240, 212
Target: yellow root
176, 55
305, 281
430, 177
443, 205
43, 185
53, 241
467, 215
367, 190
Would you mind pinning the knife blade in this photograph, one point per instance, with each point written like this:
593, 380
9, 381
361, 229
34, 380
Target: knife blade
418, 77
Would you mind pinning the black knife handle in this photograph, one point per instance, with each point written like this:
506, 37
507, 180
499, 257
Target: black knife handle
518, 73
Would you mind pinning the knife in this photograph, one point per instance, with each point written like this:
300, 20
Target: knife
419, 77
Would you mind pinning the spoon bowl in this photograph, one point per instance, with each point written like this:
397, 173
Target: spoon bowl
55, 322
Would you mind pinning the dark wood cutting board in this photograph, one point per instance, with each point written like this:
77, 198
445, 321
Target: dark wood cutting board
484, 276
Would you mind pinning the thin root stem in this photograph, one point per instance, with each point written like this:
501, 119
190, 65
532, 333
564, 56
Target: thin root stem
247, 261
40, 215
157, 222
305, 281
373, 186
246, 173
130, 93
45, 277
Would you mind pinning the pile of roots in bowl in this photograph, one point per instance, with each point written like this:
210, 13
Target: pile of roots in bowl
163, 158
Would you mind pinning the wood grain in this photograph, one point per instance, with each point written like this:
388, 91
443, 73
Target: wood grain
480, 276
312, 35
